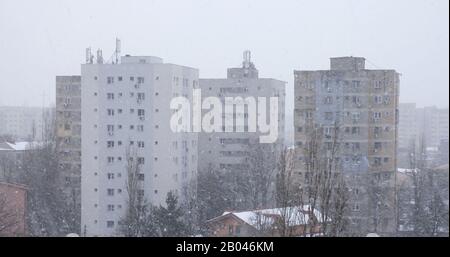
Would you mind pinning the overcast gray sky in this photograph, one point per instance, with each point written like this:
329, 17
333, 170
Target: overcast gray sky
42, 39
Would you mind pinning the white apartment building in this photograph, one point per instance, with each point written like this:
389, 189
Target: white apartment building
126, 108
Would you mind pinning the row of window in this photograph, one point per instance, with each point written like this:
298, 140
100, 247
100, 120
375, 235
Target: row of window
140, 112
141, 80
110, 128
355, 116
354, 84
110, 79
355, 130
355, 159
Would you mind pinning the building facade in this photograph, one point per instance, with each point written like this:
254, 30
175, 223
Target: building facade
230, 150
358, 109
125, 115
68, 140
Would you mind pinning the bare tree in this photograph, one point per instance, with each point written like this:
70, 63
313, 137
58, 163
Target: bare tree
421, 197
325, 185
191, 208
137, 220
260, 176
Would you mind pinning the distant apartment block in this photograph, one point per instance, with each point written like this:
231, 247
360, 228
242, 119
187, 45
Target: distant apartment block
68, 139
125, 117
359, 108
408, 125
222, 151
432, 123
23, 123
429, 122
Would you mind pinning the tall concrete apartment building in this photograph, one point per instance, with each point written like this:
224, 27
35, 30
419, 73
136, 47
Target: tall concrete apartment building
221, 151
362, 105
125, 113
68, 140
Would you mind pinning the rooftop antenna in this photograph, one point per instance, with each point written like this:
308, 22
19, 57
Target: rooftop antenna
89, 57
247, 58
117, 52
99, 56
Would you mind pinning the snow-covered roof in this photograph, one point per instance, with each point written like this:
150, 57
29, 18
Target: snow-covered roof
294, 215
18, 146
401, 170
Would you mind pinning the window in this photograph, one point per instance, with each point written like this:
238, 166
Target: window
141, 113
110, 80
140, 97
141, 176
131, 78
356, 130
140, 80
110, 112
119, 78
377, 115
110, 159
378, 84
110, 207
110, 96
140, 128
377, 161
110, 144
110, 176
378, 99
377, 146
110, 191
141, 160
238, 229
109, 224
140, 144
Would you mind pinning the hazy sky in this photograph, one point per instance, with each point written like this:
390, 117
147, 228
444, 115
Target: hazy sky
42, 39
